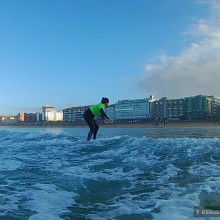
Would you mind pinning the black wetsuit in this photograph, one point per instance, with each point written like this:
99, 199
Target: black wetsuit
90, 119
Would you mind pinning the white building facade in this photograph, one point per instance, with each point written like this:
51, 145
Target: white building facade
132, 109
110, 112
74, 113
50, 114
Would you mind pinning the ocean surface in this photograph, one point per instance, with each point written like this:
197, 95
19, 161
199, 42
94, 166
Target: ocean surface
135, 174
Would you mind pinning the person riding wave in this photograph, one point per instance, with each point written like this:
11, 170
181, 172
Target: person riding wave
92, 112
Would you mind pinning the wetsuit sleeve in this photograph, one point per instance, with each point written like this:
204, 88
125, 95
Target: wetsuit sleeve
103, 115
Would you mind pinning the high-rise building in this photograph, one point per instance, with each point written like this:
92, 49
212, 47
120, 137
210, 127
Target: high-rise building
170, 109
110, 112
74, 113
8, 119
20, 116
198, 107
174, 109
26, 117
50, 114
39, 116
78, 113
215, 109
132, 109
68, 114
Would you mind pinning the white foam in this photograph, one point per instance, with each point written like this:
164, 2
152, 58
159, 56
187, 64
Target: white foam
179, 208
106, 174
109, 138
122, 205
171, 171
44, 217
48, 201
131, 160
205, 169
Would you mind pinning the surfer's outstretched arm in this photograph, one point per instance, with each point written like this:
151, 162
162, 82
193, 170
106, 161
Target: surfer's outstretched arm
103, 115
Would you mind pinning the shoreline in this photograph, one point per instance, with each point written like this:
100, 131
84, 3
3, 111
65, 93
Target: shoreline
167, 125
127, 125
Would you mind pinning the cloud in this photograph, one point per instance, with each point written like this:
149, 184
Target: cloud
129, 80
196, 70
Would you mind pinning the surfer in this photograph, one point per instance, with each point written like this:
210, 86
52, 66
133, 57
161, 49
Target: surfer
92, 112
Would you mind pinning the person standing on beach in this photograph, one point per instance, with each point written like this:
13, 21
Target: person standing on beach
92, 112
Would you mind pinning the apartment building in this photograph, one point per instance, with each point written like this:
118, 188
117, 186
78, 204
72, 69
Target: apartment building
170, 109
198, 107
78, 113
174, 109
132, 109
20, 116
215, 109
26, 117
110, 112
159, 109
74, 113
50, 114
39, 116
68, 114
8, 119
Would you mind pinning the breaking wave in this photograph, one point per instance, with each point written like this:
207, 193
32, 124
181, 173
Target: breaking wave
54, 174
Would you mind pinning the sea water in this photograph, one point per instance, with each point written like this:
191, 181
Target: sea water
129, 173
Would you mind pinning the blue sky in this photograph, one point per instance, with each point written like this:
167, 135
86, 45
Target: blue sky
73, 52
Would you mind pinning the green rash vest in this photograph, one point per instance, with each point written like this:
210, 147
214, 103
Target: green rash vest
96, 109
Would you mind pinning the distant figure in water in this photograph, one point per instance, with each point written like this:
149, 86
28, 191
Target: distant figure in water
91, 113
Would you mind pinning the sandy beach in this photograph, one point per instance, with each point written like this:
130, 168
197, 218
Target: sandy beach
127, 125
167, 125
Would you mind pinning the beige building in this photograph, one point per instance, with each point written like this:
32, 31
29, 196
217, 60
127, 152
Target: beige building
8, 119
51, 114
21, 116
